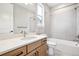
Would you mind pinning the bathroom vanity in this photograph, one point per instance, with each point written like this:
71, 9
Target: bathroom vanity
24, 47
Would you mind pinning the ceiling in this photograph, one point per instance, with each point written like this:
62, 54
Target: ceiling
30, 7
57, 4
53, 4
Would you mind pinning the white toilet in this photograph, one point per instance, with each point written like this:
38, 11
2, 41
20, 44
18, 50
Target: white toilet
51, 48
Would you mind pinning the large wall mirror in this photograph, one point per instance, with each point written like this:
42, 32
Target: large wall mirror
6, 18
16, 17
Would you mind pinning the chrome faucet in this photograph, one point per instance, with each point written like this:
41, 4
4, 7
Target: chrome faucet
24, 33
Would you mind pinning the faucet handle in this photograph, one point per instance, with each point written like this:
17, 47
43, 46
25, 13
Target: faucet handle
21, 31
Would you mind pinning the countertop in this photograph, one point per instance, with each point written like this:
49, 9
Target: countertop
14, 43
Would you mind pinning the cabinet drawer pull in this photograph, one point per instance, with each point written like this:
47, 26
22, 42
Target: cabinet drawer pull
37, 53
19, 53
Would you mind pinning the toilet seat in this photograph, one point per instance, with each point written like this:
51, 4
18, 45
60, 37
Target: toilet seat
51, 44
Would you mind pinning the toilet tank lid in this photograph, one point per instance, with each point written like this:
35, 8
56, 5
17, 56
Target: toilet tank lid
51, 43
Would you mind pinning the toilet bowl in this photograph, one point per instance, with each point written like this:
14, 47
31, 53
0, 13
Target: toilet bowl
51, 48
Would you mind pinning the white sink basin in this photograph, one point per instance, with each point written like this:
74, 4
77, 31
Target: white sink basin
28, 38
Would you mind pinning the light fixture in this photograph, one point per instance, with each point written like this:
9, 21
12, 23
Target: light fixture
28, 3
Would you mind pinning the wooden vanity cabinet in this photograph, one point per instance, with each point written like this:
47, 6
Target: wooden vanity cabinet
33, 46
44, 51
17, 52
44, 47
38, 48
33, 49
36, 52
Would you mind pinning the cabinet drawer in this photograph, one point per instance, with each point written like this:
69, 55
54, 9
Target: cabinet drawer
34, 45
33, 53
36, 52
18, 52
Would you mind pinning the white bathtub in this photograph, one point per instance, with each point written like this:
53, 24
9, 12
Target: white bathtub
64, 47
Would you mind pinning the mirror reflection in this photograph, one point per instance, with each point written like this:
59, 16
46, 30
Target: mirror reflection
18, 17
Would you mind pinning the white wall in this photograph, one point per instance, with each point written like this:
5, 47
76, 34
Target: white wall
6, 17
47, 20
63, 23
22, 18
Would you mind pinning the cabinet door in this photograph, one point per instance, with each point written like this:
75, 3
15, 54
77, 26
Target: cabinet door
33, 53
39, 51
44, 50
33, 46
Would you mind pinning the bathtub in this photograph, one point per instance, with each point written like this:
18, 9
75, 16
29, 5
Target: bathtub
64, 47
